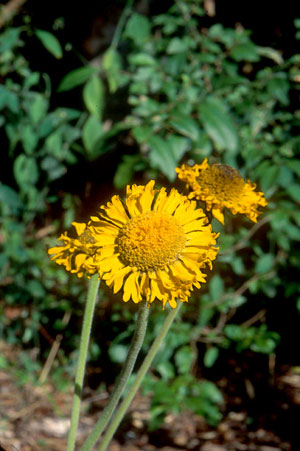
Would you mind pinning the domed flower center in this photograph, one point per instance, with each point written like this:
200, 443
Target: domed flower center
151, 241
86, 237
223, 181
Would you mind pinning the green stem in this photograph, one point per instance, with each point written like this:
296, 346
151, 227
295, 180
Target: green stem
137, 341
121, 23
84, 343
137, 382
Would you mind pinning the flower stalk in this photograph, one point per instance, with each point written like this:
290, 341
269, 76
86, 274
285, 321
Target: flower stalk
138, 380
137, 341
84, 343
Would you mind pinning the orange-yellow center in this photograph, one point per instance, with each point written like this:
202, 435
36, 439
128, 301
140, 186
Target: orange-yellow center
222, 181
151, 241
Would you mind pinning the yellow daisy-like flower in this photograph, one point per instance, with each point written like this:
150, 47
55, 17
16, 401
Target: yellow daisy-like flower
76, 254
154, 245
222, 186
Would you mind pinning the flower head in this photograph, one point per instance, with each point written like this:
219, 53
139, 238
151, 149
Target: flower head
154, 245
76, 254
222, 186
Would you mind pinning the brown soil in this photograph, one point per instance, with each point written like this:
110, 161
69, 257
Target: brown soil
37, 417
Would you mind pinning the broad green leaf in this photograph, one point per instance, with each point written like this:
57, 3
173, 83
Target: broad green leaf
53, 144
126, 169
29, 139
216, 287
177, 45
8, 99
38, 108
76, 77
50, 42
294, 191
142, 59
117, 352
279, 89
211, 356
166, 370
234, 332
184, 359
53, 167
161, 156
93, 96
138, 29
111, 63
25, 171
294, 165
9, 39
264, 263
186, 125
141, 133
269, 177
32, 80
245, 52
179, 146
218, 124
9, 196
91, 132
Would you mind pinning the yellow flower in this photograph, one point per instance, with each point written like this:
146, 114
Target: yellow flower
154, 245
76, 254
222, 186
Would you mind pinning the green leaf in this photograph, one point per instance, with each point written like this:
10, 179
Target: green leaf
179, 146
279, 89
162, 157
216, 287
273, 54
118, 353
294, 165
211, 356
269, 178
91, 132
142, 59
9, 196
29, 139
50, 42
177, 45
25, 171
93, 96
234, 332
9, 39
264, 263
184, 359
142, 133
138, 29
218, 124
245, 52
38, 108
126, 170
8, 99
294, 192
75, 78
166, 370
111, 63
186, 125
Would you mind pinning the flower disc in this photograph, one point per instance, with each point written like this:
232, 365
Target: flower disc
153, 245
222, 186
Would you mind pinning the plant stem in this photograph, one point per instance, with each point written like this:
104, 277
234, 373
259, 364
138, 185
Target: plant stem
84, 343
137, 382
137, 341
121, 23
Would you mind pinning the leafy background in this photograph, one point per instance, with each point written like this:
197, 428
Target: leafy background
80, 119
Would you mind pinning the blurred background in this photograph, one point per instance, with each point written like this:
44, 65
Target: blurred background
98, 95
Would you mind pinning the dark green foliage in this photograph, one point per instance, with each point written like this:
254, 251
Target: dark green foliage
187, 93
